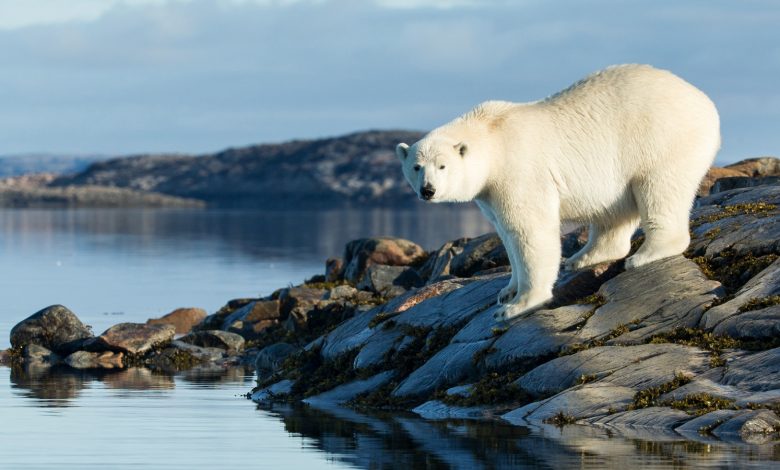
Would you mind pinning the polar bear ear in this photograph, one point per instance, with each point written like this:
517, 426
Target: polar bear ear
461, 148
401, 151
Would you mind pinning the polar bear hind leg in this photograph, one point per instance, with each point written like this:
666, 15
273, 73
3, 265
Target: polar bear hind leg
664, 210
607, 241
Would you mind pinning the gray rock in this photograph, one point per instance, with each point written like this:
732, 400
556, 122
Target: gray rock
479, 254
199, 353
39, 354
749, 422
450, 365
271, 357
586, 401
460, 390
296, 302
93, 360
55, 328
539, 335
655, 298
273, 392
362, 253
389, 281
253, 318
135, 338
748, 378
438, 264
743, 233
757, 324
736, 182
655, 418
436, 410
215, 339
346, 392
334, 268
342, 293
635, 367
374, 352
764, 284
706, 423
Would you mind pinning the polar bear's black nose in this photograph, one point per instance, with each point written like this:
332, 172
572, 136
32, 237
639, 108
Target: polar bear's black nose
427, 192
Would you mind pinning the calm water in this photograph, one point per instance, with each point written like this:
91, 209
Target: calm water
112, 266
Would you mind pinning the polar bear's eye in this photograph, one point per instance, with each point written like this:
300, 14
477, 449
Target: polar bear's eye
441, 167
417, 168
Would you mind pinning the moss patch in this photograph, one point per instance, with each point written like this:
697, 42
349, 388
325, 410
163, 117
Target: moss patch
561, 419
733, 270
698, 404
649, 397
760, 303
758, 209
586, 379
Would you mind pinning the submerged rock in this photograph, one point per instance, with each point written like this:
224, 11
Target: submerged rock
135, 338
183, 319
93, 360
55, 328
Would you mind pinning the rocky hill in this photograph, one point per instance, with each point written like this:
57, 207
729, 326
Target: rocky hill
358, 168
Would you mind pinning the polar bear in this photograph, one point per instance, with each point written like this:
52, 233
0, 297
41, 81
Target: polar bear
625, 145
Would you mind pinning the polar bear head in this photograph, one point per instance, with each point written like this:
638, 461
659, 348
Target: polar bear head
438, 168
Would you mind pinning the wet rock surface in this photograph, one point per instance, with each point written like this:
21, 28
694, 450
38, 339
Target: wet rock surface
134, 338
183, 319
215, 339
54, 327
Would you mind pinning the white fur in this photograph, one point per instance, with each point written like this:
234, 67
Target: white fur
626, 144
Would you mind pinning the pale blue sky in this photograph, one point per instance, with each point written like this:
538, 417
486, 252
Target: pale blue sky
127, 76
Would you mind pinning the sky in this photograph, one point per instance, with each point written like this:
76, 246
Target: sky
196, 76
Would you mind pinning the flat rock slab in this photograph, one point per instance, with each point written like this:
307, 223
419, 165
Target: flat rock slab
747, 378
436, 410
183, 319
749, 422
452, 364
654, 419
135, 338
55, 328
198, 352
581, 402
655, 298
636, 367
537, 336
92, 360
273, 392
742, 233
215, 339
346, 392
764, 284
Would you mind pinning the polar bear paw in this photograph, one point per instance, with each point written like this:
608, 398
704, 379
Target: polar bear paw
523, 306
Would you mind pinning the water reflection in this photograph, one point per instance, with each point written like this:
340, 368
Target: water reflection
60, 386
399, 440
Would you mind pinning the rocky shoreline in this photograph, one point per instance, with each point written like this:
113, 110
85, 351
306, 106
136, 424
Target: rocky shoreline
688, 345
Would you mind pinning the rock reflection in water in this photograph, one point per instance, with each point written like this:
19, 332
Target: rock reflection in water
399, 440
59, 386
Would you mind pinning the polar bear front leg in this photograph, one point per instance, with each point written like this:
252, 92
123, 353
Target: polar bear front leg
510, 290
535, 243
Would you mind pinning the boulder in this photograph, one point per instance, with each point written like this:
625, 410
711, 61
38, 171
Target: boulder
342, 293
135, 338
736, 182
93, 360
297, 301
334, 267
389, 281
36, 353
362, 253
253, 318
732, 317
437, 266
479, 254
55, 328
346, 392
656, 298
183, 319
637, 367
271, 357
215, 339
199, 353
749, 168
